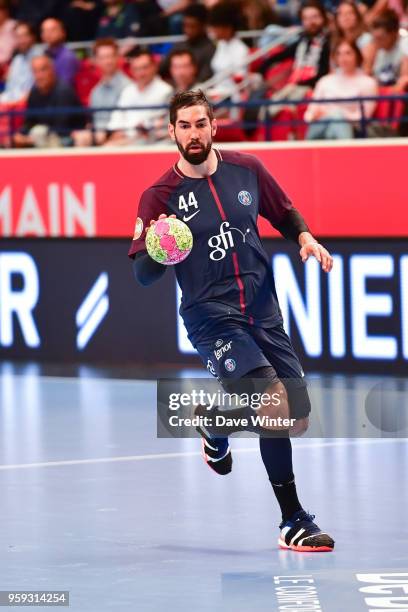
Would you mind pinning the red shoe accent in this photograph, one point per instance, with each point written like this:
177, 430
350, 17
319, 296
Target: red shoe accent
305, 548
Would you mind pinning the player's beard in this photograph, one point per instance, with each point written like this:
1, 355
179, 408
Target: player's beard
195, 158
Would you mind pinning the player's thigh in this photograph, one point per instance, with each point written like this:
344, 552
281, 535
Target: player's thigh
230, 352
278, 349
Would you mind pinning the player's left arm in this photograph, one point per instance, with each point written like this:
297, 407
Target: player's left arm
275, 206
293, 227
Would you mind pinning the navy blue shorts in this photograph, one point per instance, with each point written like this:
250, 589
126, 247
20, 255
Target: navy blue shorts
232, 351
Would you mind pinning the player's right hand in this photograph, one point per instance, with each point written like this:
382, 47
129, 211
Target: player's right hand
162, 216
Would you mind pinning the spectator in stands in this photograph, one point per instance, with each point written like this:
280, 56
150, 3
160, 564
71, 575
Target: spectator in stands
349, 81
106, 93
231, 53
258, 14
197, 42
20, 77
53, 34
387, 55
349, 25
128, 126
183, 70
400, 7
35, 11
171, 15
311, 54
81, 18
118, 20
7, 35
49, 93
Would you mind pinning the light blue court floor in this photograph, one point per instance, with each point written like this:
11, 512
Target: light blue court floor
93, 503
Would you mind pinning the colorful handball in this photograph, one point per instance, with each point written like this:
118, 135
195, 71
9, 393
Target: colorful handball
169, 241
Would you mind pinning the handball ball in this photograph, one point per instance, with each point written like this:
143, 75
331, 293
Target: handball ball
169, 241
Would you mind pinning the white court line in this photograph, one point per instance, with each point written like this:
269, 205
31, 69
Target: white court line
131, 458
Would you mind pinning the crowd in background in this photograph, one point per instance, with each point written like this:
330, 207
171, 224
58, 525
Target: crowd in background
342, 49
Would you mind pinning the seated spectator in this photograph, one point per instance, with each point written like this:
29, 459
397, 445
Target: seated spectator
172, 13
81, 18
349, 25
183, 70
349, 81
311, 54
400, 7
387, 55
106, 93
127, 126
230, 53
42, 129
118, 20
197, 42
7, 35
53, 34
20, 77
258, 14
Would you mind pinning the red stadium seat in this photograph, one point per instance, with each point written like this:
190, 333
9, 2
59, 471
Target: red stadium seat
388, 109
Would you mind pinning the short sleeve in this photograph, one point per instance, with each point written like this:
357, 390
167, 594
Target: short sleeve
273, 201
151, 205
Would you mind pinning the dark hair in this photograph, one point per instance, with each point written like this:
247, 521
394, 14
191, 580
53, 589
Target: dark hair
138, 51
30, 27
197, 11
179, 53
186, 99
316, 5
388, 20
225, 14
5, 5
105, 42
353, 46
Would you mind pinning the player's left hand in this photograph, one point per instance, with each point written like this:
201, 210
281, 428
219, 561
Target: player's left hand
317, 250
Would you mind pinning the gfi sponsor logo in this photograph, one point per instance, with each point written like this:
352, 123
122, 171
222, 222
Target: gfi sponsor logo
386, 591
220, 243
221, 351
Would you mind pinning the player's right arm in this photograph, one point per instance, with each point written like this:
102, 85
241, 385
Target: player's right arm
152, 206
145, 269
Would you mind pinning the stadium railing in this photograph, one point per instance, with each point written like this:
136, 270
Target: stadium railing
11, 119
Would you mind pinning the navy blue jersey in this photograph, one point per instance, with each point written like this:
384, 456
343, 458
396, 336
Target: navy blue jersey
227, 275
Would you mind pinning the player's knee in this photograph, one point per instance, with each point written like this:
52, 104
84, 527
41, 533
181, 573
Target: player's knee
299, 427
276, 408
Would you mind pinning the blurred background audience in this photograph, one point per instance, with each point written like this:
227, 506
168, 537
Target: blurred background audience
271, 56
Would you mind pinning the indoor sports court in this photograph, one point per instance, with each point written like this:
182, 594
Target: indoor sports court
94, 504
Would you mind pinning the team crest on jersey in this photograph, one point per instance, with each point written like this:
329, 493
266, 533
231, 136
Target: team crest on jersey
138, 228
245, 198
230, 365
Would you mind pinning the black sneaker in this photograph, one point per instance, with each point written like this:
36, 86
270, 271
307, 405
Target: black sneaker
300, 533
216, 453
